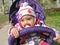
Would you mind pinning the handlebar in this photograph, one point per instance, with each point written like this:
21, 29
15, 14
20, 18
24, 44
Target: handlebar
35, 29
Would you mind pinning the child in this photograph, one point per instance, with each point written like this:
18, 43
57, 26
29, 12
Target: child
33, 3
27, 18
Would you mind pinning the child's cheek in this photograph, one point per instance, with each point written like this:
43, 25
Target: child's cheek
20, 23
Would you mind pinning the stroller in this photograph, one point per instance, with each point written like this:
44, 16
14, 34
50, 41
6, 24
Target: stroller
34, 36
37, 31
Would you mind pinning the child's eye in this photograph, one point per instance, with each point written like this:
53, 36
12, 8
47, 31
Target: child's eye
29, 19
22, 20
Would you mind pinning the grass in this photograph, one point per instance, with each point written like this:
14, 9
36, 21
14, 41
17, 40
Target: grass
53, 21
3, 19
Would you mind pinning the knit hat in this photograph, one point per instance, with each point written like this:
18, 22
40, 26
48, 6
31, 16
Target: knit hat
25, 9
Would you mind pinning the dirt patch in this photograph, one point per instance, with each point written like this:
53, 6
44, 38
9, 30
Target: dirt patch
56, 9
53, 9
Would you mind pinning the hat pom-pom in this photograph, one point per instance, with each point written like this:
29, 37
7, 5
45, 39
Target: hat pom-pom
23, 4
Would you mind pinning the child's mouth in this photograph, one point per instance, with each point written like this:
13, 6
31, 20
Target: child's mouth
28, 25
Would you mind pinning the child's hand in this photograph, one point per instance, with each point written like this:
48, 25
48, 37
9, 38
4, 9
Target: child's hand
14, 32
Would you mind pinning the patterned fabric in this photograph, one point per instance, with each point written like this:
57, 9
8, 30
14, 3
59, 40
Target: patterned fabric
25, 9
44, 43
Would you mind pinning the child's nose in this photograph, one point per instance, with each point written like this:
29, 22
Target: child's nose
26, 22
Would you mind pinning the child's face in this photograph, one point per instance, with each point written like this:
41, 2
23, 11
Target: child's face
27, 21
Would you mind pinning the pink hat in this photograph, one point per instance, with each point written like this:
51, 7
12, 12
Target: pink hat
25, 9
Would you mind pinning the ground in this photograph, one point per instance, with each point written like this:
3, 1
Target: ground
4, 34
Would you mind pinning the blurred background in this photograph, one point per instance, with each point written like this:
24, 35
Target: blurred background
52, 13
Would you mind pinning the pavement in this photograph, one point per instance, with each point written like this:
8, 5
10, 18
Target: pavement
4, 35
